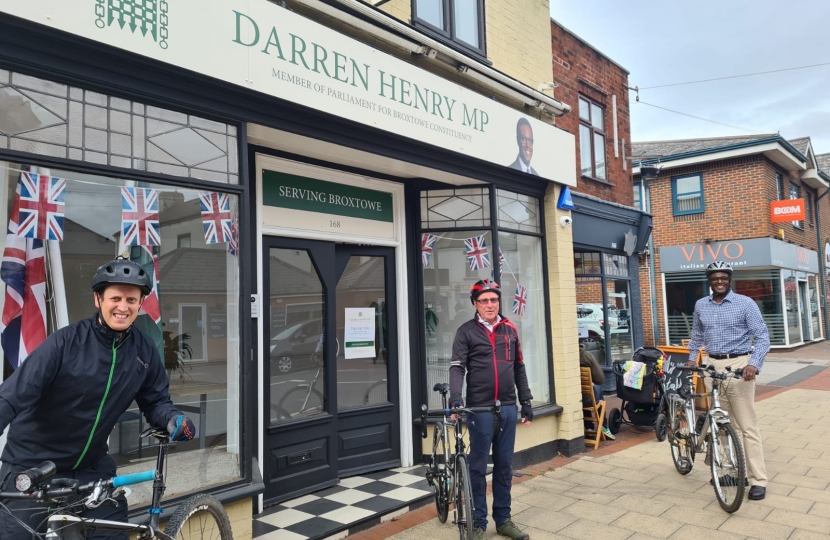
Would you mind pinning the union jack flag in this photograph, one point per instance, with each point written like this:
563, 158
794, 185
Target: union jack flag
42, 202
23, 270
520, 300
427, 245
477, 255
151, 306
501, 262
216, 216
140, 216
233, 243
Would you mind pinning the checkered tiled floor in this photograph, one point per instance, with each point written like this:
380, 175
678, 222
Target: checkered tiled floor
357, 503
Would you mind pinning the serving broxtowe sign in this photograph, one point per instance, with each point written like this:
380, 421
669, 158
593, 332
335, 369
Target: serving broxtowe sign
269, 49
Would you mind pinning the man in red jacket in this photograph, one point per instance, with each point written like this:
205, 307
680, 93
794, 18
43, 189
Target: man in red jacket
488, 352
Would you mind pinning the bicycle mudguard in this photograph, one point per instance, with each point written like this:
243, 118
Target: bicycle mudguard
136, 478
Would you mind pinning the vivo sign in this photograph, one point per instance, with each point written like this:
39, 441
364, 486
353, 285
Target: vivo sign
755, 252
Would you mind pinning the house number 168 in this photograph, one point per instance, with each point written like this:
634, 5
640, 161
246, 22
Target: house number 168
334, 224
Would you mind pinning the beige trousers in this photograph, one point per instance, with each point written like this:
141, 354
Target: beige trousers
738, 399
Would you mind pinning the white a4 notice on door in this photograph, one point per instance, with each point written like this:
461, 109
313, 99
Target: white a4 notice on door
359, 333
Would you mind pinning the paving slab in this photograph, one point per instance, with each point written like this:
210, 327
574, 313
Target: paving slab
585, 529
695, 532
756, 529
801, 521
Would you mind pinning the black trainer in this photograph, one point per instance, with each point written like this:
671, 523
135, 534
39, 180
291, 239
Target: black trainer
757, 493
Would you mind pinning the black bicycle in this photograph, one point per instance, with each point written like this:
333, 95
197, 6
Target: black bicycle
449, 472
199, 517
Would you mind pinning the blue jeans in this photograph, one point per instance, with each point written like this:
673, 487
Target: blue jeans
481, 438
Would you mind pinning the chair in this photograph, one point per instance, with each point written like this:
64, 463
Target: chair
595, 413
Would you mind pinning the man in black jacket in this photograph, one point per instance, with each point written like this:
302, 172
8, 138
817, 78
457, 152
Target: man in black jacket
488, 351
64, 400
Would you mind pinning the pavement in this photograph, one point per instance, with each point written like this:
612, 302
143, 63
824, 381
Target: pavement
628, 489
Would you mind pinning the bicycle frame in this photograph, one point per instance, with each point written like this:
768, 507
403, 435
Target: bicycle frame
59, 526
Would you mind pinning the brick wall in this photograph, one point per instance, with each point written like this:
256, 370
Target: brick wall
579, 70
516, 33
737, 194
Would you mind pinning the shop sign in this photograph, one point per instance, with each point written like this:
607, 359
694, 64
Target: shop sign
359, 333
261, 46
217, 324
755, 252
309, 204
786, 210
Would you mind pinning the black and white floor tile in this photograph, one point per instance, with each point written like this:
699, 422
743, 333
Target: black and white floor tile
356, 504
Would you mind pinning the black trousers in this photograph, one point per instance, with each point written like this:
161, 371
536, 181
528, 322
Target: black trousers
34, 514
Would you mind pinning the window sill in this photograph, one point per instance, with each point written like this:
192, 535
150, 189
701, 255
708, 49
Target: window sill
598, 180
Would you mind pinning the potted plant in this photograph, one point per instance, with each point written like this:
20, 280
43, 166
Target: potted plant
176, 349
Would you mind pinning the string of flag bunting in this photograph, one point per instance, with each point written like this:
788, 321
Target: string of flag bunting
478, 258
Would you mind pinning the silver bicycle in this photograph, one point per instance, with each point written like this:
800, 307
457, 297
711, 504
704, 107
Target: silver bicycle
712, 434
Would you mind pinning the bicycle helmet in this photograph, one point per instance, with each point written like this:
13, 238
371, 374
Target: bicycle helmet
122, 271
719, 266
482, 286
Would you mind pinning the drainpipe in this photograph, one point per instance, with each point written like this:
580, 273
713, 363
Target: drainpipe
821, 266
651, 273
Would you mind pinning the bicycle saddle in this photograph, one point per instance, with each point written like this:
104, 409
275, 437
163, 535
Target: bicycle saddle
442, 388
156, 433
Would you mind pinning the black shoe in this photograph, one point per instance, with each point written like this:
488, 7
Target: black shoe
727, 480
757, 493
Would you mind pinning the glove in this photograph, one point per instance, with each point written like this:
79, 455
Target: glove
527, 411
456, 404
181, 428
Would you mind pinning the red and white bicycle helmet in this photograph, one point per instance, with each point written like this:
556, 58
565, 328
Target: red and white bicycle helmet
482, 286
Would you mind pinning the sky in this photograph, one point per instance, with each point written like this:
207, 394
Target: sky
664, 42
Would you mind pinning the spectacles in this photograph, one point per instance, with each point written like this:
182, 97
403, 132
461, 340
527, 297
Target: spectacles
526, 140
720, 280
485, 301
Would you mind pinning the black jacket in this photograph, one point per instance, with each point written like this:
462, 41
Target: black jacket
492, 362
52, 400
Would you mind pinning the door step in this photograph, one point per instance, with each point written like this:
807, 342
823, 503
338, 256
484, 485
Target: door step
356, 504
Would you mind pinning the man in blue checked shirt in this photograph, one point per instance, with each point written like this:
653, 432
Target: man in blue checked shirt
726, 323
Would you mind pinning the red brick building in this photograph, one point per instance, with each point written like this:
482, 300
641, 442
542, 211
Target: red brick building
608, 231
711, 200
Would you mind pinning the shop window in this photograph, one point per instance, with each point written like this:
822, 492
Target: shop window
447, 283
518, 212
452, 208
47, 118
683, 290
192, 315
795, 193
458, 22
591, 139
522, 282
603, 306
791, 306
687, 194
814, 307
454, 260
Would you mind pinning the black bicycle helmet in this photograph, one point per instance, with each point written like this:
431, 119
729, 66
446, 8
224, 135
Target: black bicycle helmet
483, 286
122, 271
719, 266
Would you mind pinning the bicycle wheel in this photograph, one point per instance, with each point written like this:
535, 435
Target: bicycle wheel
301, 401
200, 517
660, 427
681, 442
464, 517
728, 467
438, 470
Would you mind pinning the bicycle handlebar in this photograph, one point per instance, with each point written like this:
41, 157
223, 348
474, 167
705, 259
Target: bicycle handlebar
709, 370
44, 493
441, 413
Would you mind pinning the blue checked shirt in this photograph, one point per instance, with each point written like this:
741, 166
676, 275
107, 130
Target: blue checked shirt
727, 328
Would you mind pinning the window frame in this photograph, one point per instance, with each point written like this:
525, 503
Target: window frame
419, 386
447, 35
795, 193
594, 131
674, 194
779, 186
